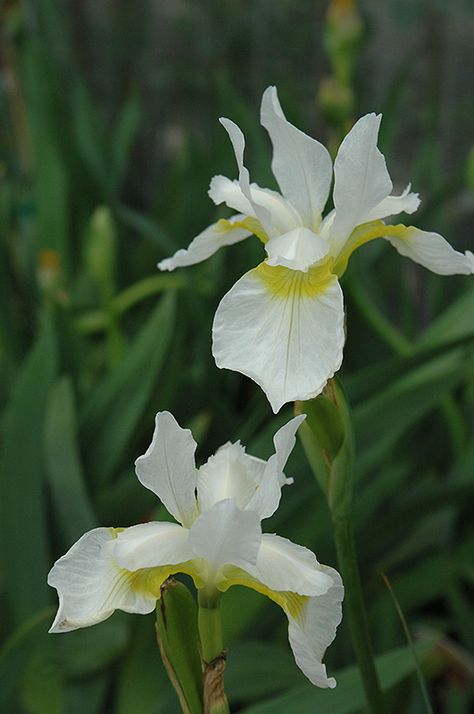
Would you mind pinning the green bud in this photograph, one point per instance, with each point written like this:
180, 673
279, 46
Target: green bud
101, 251
342, 36
178, 639
328, 441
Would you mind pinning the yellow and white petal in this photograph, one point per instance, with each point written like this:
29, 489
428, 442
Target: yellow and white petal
361, 179
230, 473
301, 165
406, 202
91, 584
282, 328
215, 236
150, 545
224, 534
285, 566
266, 498
312, 619
431, 250
311, 632
168, 468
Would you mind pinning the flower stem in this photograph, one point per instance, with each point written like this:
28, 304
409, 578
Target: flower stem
328, 440
213, 654
347, 558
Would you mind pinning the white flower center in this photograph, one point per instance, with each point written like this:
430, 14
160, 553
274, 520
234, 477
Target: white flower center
298, 249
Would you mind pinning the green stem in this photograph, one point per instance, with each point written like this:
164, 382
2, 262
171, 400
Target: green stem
354, 603
210, 626
328, 440
212, 651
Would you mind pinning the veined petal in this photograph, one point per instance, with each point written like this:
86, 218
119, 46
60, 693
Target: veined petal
91, 584
215, 236
431, 250
150, 545
313, 630
168, 469
274, 212
312, 620
285, 566
267, 497
301, 165
230, 473
406, 202
224, 534
282, 328
361, 179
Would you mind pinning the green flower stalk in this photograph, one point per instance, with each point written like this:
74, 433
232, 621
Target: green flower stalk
328, 441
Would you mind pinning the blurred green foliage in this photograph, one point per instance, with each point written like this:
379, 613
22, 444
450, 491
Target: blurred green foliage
109, 138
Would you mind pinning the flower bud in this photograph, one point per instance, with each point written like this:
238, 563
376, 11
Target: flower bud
178, 639
101, 251
328, 441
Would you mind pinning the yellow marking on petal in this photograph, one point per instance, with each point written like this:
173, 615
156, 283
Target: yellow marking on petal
148, 581
248, 223
115, 531
292, 603
363, 234
283, 282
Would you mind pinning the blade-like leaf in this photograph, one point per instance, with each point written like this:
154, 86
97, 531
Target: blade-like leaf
64, 470
111, 415
23, 542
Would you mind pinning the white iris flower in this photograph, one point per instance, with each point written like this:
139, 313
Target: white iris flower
282, 324
219, 543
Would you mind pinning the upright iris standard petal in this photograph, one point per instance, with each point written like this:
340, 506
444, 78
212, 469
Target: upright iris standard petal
91, 584
432, 251
230, 473
267, 496
168, 469
301, 165
284, 329
275, 214
238, 143
252, 483
361, 179
314, 628
219, 234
